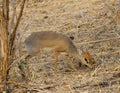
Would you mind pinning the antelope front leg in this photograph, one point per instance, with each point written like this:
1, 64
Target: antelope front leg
70, 62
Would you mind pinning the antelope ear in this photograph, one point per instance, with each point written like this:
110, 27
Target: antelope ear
87, 52
81, 52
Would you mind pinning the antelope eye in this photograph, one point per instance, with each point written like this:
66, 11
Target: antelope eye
87, 61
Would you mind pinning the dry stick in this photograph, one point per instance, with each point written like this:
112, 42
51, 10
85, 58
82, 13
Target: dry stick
2, 52
13, 35
6, 10
4, 31
4, 14
2, 46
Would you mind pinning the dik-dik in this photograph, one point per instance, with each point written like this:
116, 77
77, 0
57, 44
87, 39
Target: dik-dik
58, 43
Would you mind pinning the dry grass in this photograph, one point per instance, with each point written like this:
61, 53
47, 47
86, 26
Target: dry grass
93, 23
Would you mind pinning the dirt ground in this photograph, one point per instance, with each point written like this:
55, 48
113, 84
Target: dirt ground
95, 27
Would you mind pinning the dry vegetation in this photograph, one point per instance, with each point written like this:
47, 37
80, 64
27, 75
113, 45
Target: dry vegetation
95, 25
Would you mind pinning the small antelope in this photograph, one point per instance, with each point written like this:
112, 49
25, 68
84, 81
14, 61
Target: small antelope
58, 43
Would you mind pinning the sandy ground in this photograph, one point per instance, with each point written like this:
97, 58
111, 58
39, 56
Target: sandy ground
95, 27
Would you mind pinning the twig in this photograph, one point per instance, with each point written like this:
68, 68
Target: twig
51, 86
5, 62
2, 45
13, 35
